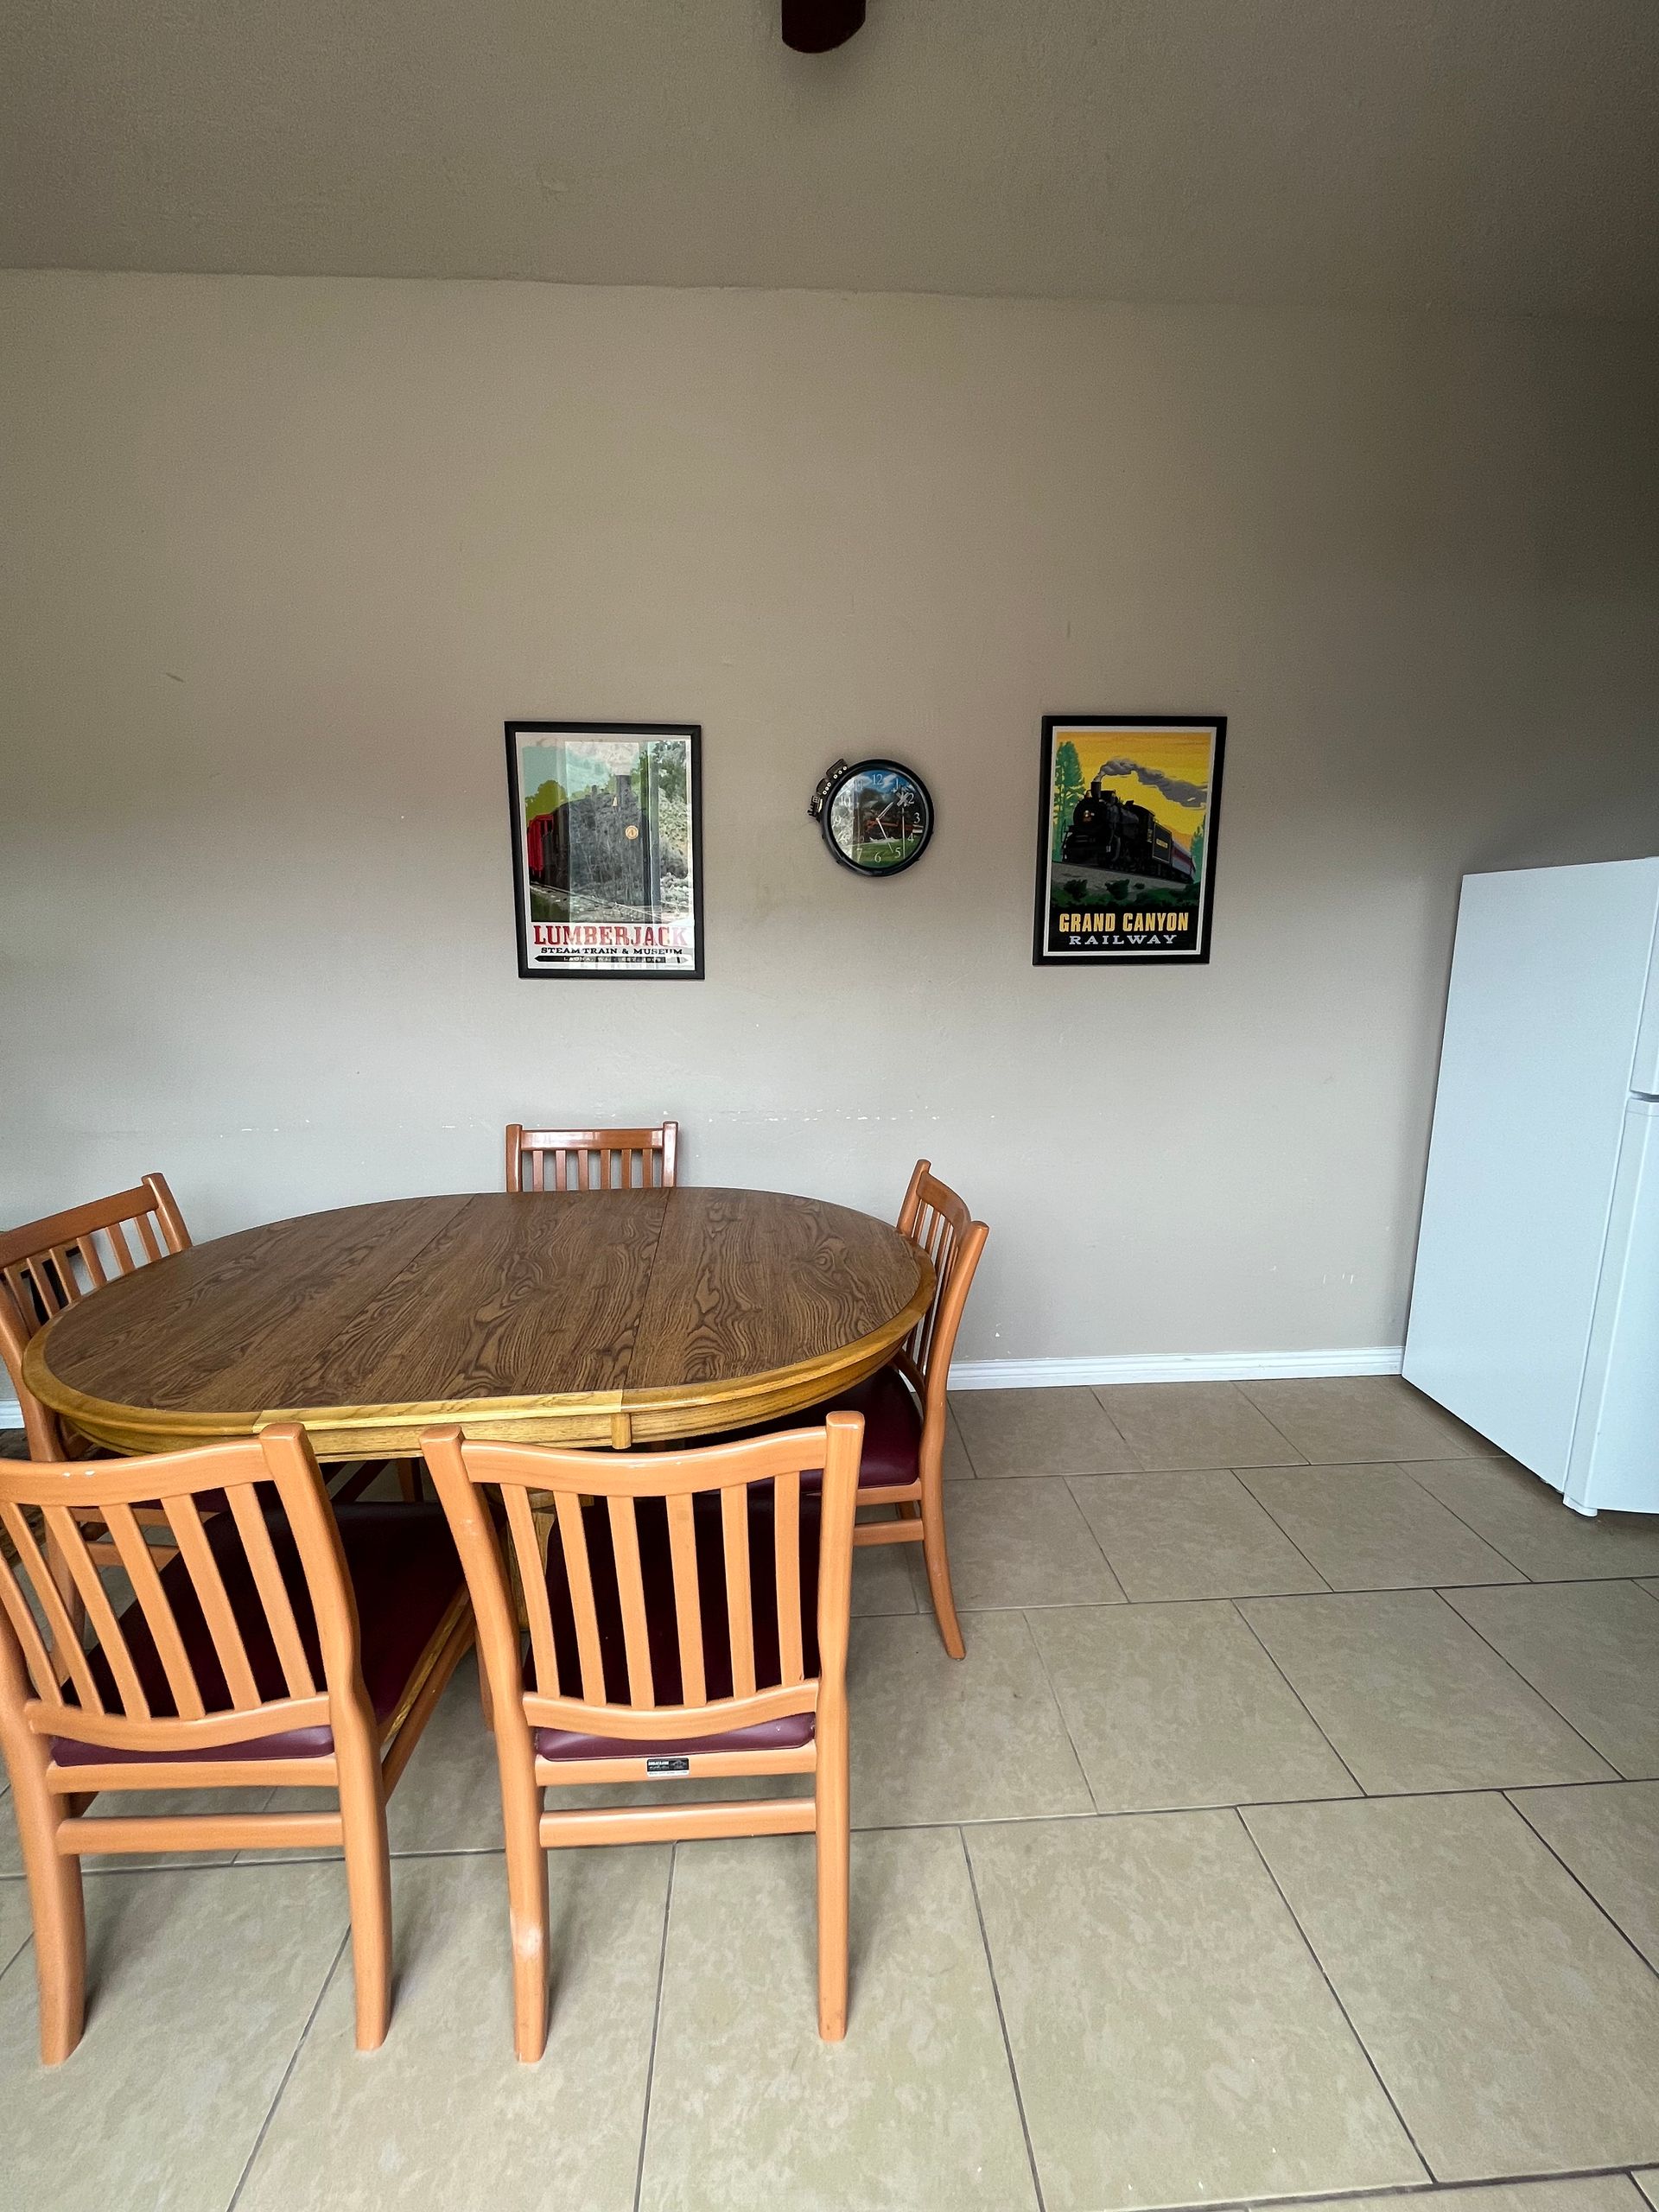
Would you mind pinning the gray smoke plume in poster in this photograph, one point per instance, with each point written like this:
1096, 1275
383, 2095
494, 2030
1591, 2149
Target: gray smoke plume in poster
1172, 786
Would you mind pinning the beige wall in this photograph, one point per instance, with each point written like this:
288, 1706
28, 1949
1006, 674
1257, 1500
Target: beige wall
286, 554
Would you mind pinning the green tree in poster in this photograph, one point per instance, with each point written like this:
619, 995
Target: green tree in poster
543, 800
1197, 850
670, 773
1069, 788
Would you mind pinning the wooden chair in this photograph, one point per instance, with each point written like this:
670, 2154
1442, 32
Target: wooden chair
295, 1647
48, 1265
904, 1404
689, 1617
904, 1407
592, 1160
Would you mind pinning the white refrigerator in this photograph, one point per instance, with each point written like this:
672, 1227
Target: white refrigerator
1534, 1309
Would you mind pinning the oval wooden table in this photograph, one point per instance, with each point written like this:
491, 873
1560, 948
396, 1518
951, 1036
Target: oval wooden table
573, 1317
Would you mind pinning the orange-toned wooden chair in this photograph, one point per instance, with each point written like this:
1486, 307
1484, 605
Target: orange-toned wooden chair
295, 1647
592, 1160
48, 1265
690, 1618
904, 1404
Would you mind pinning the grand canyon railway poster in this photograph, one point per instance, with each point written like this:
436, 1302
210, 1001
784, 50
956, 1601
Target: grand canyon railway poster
1126, 858
607, 848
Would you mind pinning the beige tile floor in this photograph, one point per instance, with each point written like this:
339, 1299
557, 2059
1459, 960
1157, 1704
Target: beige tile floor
1291, 1831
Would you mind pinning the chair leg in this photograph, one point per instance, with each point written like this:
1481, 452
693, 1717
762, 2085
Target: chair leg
408, 1481
521, 1807
938, 1569
368, 1887
833, 1817
59, 1911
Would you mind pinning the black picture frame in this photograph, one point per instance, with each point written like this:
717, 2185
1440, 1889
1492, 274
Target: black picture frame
833, 784
1135, 948
635, 970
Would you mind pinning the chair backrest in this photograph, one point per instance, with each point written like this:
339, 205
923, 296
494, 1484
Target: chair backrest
223, 1658
48, 1265
591, 1159
677, 1602
939, 1223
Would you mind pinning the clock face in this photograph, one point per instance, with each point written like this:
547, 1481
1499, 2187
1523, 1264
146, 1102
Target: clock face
877, 817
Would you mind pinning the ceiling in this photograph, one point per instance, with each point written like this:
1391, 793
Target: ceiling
1492, 154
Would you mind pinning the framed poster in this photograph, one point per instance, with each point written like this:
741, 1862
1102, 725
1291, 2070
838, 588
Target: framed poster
1125, 854
607, 848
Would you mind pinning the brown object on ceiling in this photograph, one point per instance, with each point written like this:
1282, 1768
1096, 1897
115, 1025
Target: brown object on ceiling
815, 26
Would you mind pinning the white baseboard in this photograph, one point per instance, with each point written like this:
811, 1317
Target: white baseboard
1173, 1367
1132, 1367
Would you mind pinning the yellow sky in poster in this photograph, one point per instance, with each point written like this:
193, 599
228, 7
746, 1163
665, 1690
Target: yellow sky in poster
1182, 753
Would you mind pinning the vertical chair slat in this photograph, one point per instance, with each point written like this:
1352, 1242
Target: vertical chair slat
68, 1287
137, 1558
631, 1589
739, 1603
688, 1606
532, 1583
65, 1533
573, 1541
123, 1260
68, 1657
186, 1523
786, 1569
147, 1236
273, 1590
36, 1658
87, 1248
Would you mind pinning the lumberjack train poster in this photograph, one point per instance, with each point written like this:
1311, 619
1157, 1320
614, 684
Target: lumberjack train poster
1126, 859
606, 849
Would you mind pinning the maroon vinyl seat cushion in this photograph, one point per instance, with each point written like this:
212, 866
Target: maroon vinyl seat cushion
656, 1573
405, 1575
893, 1429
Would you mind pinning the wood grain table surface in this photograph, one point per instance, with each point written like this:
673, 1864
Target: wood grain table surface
574, 1318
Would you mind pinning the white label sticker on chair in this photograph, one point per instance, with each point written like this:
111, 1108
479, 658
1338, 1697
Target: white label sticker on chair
668, 1766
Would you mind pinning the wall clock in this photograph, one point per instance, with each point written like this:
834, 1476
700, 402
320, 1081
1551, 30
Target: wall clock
876, 815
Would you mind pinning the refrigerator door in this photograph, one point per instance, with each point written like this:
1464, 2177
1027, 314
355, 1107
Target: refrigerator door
1549, 984
1615, 1456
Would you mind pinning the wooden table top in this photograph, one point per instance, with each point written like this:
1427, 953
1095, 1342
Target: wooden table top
603, 1317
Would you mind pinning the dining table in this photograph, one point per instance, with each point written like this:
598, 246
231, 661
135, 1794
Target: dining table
586, 1318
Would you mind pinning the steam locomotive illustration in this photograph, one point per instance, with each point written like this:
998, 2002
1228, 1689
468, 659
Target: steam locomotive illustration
1107, 831
600, 843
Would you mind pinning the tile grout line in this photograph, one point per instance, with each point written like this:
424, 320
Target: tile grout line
656, 2024
1508, 1797
1083, 1771
1360, 2042
1407, 2192
950, 1417
1618, 1771
1122, 1597
1094, 1389
1238, 1605
1022, 1819
1330, 1589
1289, 1442
288, 2074
1408, 1467
1001, 2021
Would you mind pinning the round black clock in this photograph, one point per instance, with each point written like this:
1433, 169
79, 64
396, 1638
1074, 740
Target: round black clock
876, 815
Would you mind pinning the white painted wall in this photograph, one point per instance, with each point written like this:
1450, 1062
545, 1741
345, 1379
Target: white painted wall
284, 555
